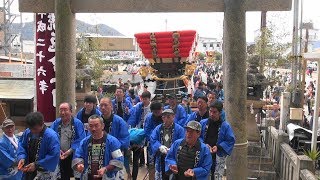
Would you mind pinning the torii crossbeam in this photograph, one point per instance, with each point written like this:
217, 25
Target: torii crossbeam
121, 6
235, 79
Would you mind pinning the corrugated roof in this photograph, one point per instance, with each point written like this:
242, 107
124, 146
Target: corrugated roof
17, 89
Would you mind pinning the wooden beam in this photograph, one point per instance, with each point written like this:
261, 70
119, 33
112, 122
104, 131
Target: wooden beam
145, 6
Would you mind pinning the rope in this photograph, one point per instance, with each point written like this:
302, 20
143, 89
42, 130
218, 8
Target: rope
241, 144
4, 113
181, 87
169, 79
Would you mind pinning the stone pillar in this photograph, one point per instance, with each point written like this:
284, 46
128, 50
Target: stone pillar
282, 138
284, 110
65, 52
235, 85
306, 163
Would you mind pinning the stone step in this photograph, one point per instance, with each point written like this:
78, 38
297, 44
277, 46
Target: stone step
255, 149
264, 175
263, 166
256, 159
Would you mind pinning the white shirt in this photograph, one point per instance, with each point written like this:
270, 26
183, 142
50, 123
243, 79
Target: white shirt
13, 140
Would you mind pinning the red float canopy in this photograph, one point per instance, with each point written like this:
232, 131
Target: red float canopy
166, 46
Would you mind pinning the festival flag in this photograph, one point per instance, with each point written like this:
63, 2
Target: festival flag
45, 65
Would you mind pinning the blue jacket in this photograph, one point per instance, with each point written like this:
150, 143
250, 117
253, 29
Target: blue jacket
155, 141
79, 114
78, 128
187, 108
226, 137
202, 170
193, 116
112, 154
135, 100
125, 104
149, 125
220, 94
49, 153
135, 115
119, 130
180, 114
8, 155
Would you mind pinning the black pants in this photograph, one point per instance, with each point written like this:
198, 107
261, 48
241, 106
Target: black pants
30, 175
162, 166
65, 168
135, 164
142, 159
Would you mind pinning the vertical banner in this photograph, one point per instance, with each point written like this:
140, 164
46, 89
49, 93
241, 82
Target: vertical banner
45, 65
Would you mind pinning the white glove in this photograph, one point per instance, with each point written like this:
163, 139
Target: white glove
163, 149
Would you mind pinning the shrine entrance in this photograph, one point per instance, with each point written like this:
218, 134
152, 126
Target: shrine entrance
234, 37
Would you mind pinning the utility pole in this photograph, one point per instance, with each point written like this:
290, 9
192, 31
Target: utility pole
263, 27
307, 27
294, 56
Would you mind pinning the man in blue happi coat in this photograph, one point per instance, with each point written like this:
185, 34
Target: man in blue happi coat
140, 110
88, 110
114, 124
134, 99
180, 113
202, 112
161, 139
99, 155
189, 158
117, 127
71, 132
153, 119
218, 135
136, 120
39, 149
8, 152
121, 106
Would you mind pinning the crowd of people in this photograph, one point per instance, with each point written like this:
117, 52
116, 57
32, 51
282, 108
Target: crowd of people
106, 135
97, 142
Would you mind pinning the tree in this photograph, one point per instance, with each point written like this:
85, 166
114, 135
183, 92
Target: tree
89, 58
268, 47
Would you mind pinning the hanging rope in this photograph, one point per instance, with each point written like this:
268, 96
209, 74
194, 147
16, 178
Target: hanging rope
4, 113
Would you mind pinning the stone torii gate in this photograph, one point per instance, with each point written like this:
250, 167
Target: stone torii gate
235, 81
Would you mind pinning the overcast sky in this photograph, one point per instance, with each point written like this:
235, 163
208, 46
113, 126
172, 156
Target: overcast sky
206, 24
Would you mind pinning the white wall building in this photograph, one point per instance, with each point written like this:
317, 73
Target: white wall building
209, 44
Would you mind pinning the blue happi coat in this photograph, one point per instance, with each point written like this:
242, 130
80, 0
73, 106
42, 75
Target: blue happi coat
78, 128
125, 103
149, 125
79, 114
112, 155
49, 153
135, 115
135, 100
155, 141
202, 170
180, 114
8, 155
119, 130
192, 116
226, 137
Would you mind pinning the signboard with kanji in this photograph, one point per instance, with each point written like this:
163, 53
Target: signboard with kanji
45, 65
